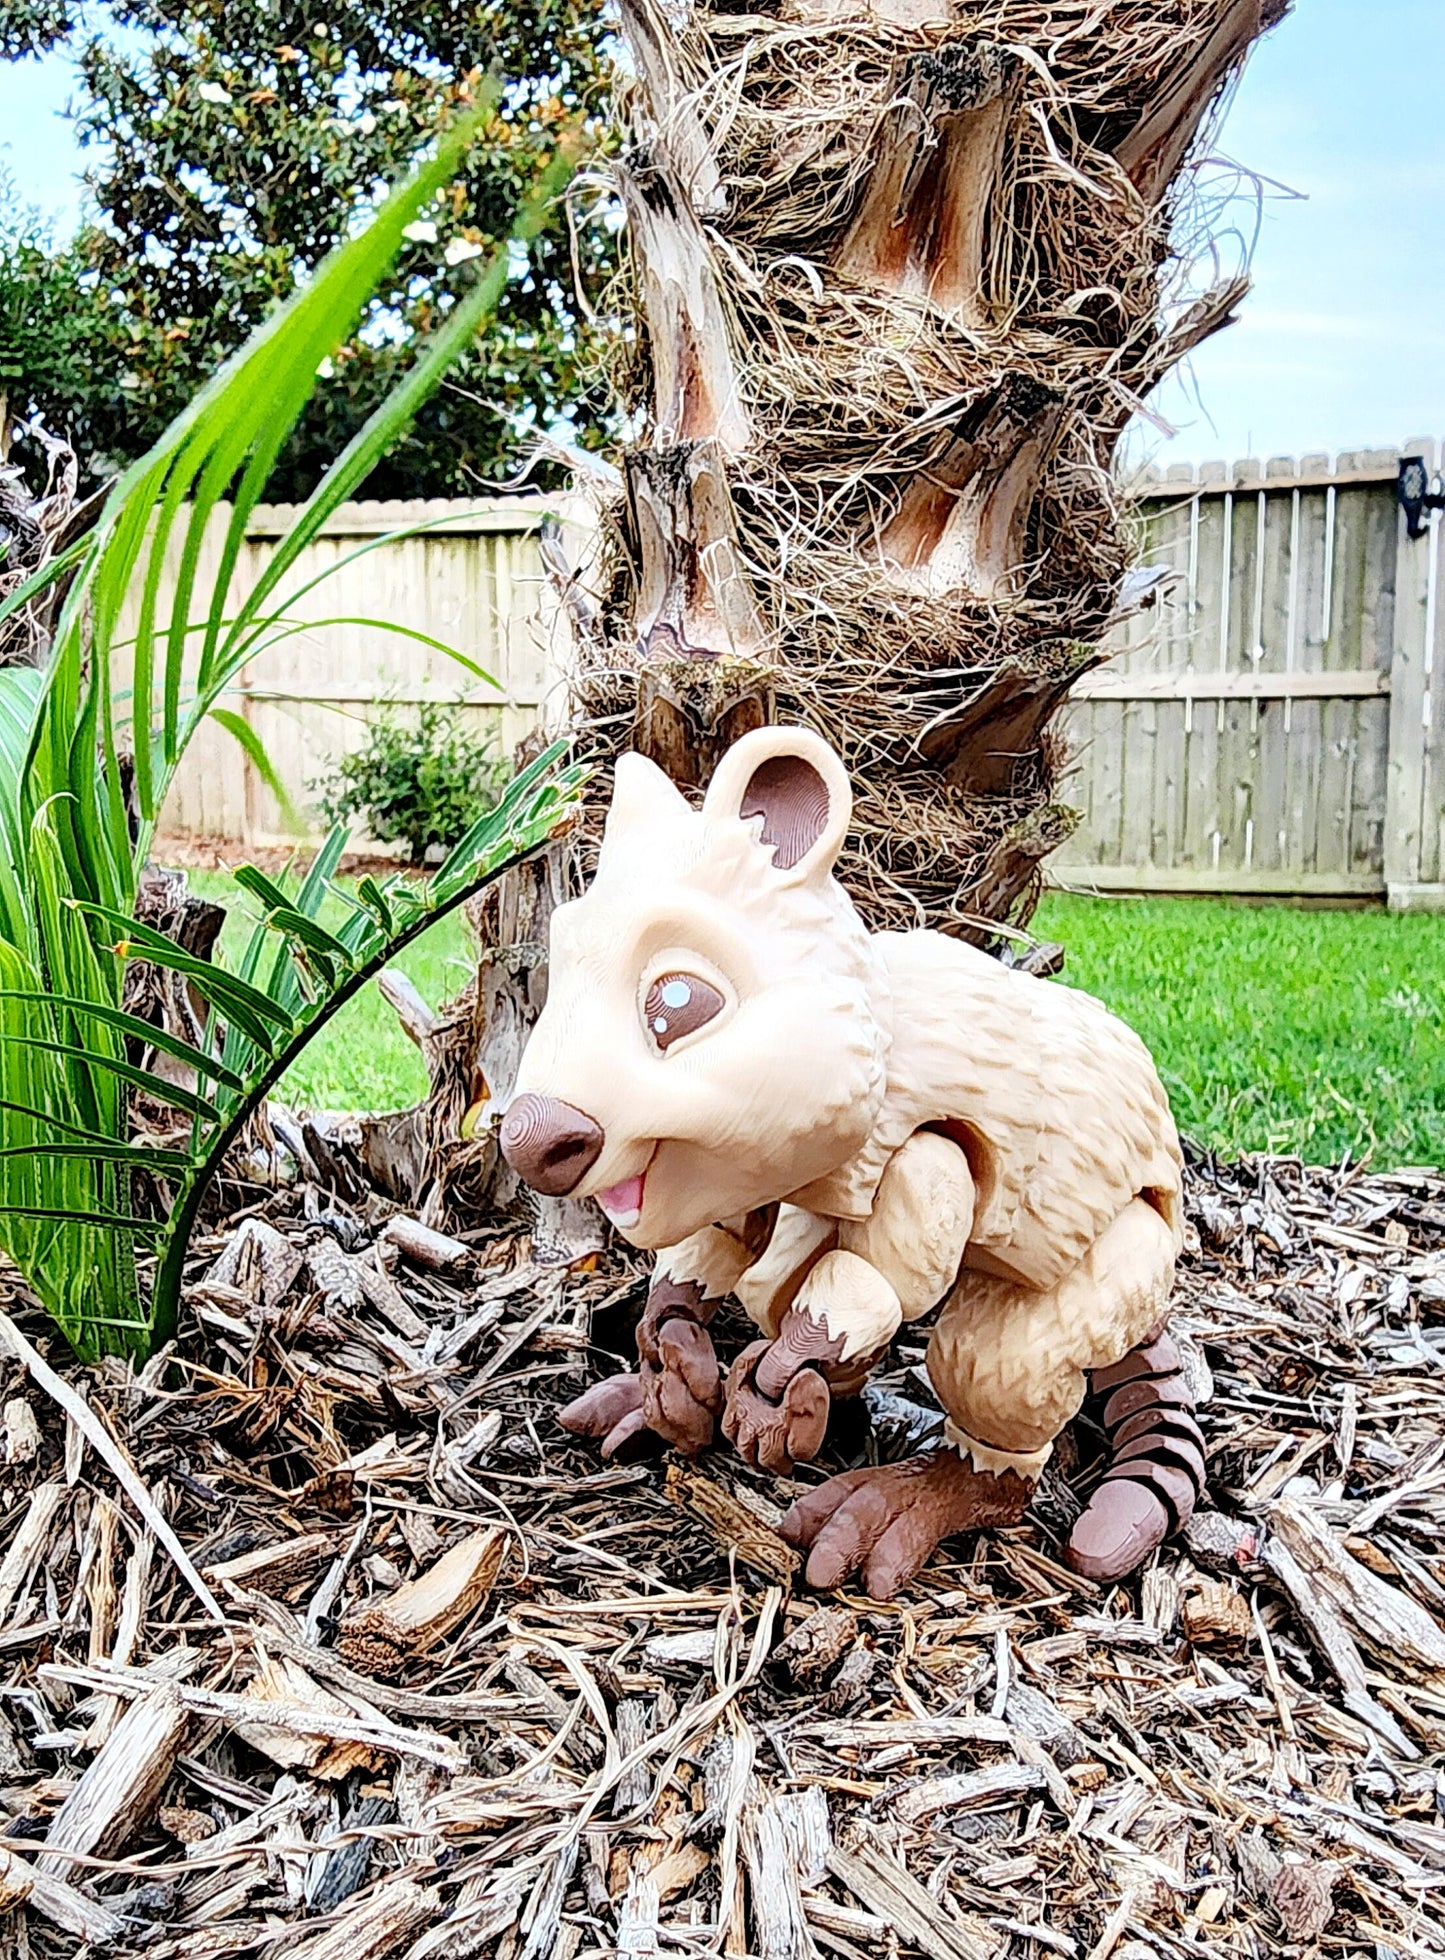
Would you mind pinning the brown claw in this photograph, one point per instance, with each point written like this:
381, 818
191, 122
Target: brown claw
684, 1349
808, 1403
603, 1406
670, 1300
682, 1391
676, 1416
630, 1438
673, 1398
775, 1433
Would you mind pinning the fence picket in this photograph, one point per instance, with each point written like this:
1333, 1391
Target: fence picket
1305, 643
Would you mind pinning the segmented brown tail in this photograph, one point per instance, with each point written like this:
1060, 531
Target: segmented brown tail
1156, 1467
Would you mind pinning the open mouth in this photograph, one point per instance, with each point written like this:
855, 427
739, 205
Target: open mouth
623, 1202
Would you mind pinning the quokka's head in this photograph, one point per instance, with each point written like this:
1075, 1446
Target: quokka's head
714, 1035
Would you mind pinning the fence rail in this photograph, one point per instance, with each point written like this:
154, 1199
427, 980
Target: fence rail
1276, 723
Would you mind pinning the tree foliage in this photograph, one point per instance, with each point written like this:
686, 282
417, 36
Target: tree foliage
233, 143
52, 321
32, 26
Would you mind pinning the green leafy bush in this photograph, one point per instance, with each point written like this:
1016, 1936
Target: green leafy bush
420, 780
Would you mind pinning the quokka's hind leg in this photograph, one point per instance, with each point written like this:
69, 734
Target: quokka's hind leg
1012, 1365
1156, 1467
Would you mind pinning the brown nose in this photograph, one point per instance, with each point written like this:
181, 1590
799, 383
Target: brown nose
549, 1144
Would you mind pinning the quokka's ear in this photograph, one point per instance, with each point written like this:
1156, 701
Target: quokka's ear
644, 801
797, 785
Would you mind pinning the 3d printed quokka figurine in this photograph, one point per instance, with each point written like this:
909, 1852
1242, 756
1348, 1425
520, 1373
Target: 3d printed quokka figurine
844, 1129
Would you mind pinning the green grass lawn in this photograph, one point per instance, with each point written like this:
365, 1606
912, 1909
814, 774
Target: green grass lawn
1313, 1033
1308, 1033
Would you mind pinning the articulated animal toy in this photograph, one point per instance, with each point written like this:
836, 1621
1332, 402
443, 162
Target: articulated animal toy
844, 1129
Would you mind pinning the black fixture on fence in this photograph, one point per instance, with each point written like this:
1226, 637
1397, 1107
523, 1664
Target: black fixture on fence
1420, 493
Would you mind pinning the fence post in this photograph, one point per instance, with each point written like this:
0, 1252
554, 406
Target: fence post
566, 600
1405, 775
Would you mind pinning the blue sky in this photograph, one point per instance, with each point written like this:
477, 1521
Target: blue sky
1342, 343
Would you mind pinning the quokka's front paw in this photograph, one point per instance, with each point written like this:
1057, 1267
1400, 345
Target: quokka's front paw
778, 1405
884, 1522
673, 1398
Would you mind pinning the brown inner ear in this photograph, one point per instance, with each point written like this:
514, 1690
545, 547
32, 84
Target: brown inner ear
792, 800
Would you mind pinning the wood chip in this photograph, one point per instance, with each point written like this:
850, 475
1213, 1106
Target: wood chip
259, 1262
56, 1900
815, 1645
970, 1791
1216, 1611
30, 1541
375, 1925
736, 1525
785, 1841
280, 1564
383, 1637
287, 1682
408, 1238
121, 1788
1397, 1628
882, 1885
21, 1432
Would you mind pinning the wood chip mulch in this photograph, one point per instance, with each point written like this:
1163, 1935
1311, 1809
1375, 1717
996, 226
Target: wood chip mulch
477, 1694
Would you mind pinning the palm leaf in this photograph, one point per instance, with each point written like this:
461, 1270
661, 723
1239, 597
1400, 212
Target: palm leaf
148, 639
254, 749
532, 811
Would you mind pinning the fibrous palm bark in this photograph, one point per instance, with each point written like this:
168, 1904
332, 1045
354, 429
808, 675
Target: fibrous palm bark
34, 530
899, 276
902, 274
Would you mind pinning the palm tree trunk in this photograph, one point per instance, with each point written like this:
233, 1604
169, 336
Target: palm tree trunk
900, 277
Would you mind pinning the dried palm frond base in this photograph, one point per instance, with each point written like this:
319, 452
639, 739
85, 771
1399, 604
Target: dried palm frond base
480, 1694
900, 276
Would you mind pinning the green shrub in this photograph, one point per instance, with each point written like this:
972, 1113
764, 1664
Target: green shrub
420, 780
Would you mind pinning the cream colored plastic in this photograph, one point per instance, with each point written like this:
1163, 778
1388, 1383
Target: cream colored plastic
958, 1129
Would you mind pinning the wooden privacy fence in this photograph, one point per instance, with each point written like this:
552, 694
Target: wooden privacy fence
1276, 723
466, 575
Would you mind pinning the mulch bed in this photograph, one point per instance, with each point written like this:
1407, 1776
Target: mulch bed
478, 1694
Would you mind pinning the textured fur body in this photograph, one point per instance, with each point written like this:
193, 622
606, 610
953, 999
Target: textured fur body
910, 1120
1056, 1103
1071, 1163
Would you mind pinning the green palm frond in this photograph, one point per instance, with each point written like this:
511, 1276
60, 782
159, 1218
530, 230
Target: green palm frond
241, 1076
150, 636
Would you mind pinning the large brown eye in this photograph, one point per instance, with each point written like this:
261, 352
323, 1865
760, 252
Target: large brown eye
679, 1004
